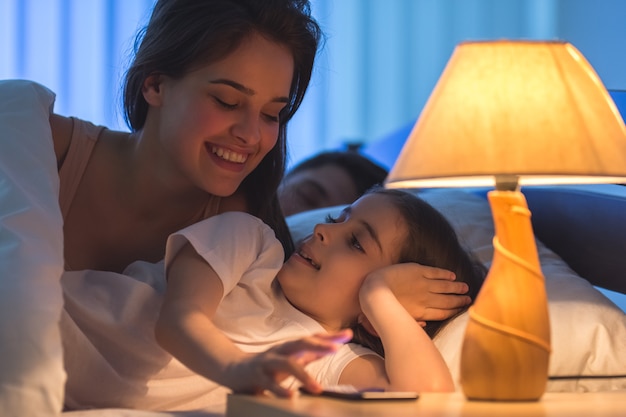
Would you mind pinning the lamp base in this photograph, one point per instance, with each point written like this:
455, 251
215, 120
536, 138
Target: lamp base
506, 348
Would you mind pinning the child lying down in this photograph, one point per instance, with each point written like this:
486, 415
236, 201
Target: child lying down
352, 306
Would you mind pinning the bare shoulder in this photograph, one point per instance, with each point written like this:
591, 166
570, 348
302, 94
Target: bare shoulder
61, 135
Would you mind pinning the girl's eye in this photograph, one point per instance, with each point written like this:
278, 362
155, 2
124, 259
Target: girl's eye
225, 104
354, 243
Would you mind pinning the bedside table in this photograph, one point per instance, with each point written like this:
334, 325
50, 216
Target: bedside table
604, 404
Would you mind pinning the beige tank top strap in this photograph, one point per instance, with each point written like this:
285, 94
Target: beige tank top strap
82, 142
212, 208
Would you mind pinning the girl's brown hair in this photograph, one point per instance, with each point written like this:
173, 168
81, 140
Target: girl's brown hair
431, 241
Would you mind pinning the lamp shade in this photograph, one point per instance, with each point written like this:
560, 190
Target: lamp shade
530, 109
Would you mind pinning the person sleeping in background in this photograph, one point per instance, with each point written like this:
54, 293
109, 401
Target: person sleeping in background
328, 179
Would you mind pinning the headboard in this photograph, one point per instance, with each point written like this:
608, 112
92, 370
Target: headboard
586, 226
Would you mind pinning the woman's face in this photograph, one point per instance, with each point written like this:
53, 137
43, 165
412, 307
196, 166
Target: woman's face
323, 277
217, 123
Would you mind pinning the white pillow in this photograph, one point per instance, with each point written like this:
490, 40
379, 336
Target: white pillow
588, 331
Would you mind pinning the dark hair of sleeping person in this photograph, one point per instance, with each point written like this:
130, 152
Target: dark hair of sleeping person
328, 179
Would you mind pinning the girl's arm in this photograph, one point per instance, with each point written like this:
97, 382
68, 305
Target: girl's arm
185, 329
412, 361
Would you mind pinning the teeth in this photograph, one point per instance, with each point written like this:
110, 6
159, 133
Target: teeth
308, 258
228, 155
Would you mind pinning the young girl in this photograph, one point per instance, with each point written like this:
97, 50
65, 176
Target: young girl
227, 301
231, 314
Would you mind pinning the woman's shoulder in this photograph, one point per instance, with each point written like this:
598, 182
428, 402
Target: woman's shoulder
61, 127
65, 130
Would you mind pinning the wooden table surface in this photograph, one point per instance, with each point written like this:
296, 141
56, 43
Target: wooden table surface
601, 404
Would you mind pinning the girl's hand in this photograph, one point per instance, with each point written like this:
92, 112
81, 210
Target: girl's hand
427, 293
264, 371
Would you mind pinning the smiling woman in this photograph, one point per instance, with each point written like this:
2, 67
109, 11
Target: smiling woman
207, 97
224, 106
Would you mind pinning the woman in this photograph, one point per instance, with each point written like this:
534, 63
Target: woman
207, 97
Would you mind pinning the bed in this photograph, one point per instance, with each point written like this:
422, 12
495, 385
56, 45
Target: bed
581, 243
585, 224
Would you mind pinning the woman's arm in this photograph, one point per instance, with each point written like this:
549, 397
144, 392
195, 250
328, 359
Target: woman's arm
412, 361
185, 328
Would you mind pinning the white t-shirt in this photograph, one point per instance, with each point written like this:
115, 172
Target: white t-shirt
111, 357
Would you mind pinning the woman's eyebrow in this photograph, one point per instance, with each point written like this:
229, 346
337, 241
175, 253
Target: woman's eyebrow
247, 91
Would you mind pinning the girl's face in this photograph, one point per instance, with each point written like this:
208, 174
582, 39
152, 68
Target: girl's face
217, 123
323, 277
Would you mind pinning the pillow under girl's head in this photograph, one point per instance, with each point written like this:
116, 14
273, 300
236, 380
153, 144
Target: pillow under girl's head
432, 241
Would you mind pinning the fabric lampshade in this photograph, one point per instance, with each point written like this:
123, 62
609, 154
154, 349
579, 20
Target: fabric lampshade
535, 110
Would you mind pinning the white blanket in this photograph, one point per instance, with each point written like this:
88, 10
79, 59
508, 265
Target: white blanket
32, 376
31, 255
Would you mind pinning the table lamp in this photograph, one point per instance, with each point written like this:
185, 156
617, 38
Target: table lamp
506, 114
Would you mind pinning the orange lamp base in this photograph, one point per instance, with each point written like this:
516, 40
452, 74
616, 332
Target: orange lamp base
506, 348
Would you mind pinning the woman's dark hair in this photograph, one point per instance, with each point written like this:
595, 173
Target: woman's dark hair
363, 172
430, 241
184, 35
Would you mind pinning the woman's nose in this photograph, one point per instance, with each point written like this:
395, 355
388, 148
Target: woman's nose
247, 128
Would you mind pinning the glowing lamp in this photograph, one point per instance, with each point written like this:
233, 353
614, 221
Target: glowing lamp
506, 114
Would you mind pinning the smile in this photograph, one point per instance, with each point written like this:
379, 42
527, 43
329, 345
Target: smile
308, 259
228, 155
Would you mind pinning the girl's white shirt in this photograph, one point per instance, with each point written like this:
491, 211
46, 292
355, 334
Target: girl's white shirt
112, 358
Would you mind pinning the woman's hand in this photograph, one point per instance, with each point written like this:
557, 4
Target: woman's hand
264, 371
427, 293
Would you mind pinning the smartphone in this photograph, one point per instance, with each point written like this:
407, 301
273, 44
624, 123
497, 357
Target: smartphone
348, 392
